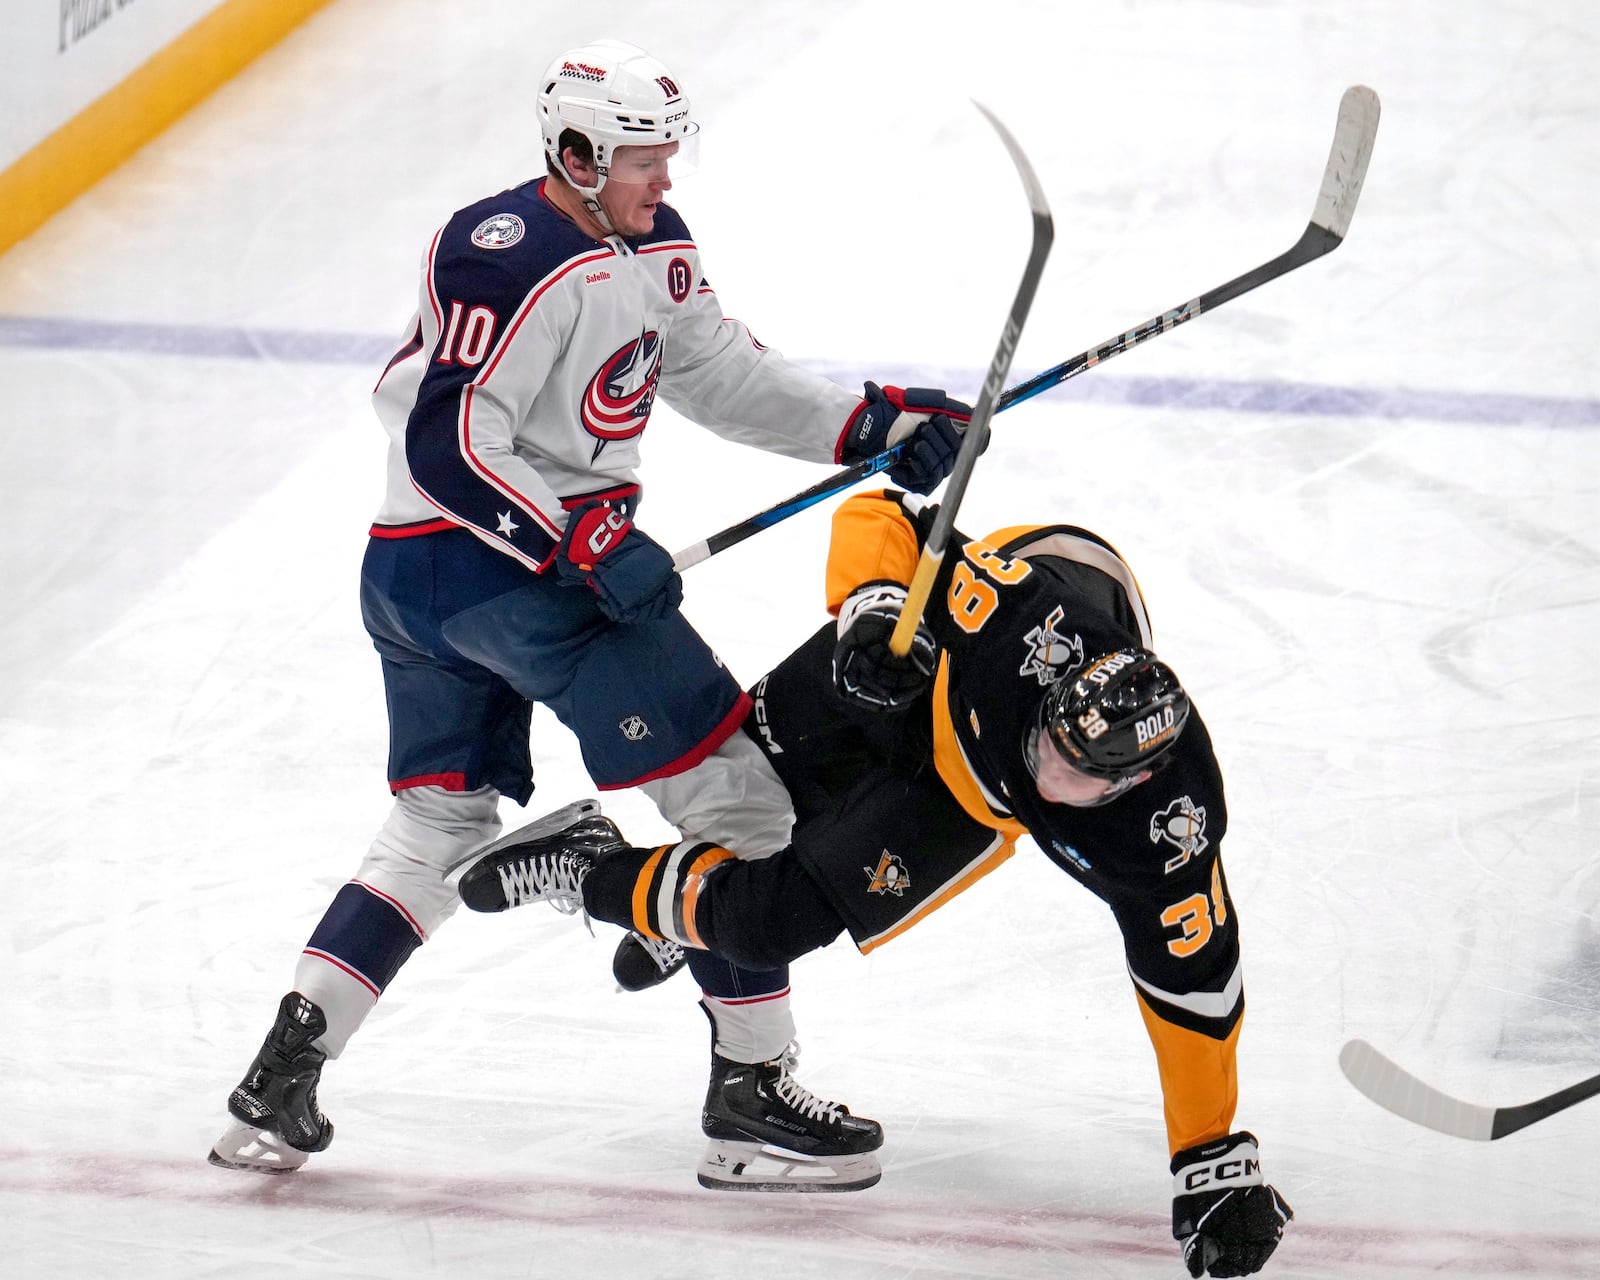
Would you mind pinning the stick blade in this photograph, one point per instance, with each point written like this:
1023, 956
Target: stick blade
1030, 180
1396, 1089
1353, 138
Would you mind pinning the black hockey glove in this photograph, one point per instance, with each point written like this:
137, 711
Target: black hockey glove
1226, 1218
929, 421
865, 669
631, 573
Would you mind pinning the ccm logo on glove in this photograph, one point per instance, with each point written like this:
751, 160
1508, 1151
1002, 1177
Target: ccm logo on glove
598, 529
1224, 1217
1247, 1170
631, 575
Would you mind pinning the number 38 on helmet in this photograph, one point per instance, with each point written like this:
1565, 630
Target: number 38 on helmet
1117, 716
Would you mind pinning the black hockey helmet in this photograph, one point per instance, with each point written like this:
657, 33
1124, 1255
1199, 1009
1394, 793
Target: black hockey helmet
1118, 715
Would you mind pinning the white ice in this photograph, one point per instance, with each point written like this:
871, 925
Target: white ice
1360, 500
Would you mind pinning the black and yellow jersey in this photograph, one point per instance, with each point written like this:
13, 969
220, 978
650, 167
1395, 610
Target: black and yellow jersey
1013, 613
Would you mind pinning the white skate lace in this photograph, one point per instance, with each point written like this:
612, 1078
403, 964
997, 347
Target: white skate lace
802, 1099
557, 880
663, 951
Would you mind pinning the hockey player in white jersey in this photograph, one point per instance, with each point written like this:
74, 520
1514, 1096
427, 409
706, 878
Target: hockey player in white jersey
505, 568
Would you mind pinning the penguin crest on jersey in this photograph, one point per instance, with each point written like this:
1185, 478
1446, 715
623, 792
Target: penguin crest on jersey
618, 399
889, 876
1051, 655
1183, 825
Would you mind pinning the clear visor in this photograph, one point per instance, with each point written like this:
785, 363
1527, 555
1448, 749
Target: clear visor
663, 162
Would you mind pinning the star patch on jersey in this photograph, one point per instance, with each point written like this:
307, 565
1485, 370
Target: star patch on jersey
499, 232
889, 876
1181, 824
1050, 654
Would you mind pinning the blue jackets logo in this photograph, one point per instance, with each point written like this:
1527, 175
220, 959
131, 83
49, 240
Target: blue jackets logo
499, 232
617, 403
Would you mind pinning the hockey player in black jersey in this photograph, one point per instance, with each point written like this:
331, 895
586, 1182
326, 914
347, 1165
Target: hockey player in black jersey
1031, 703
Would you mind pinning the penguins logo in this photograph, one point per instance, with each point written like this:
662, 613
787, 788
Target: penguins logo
890, 876
618, 399
1051, 654
1181, 824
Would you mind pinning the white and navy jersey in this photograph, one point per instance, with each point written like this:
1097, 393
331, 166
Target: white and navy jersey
534, 360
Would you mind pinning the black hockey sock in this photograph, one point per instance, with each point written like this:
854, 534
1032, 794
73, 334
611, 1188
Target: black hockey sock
655, 891
608, 888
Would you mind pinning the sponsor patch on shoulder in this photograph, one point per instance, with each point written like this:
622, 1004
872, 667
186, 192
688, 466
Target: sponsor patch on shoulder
499, 232
1071, 854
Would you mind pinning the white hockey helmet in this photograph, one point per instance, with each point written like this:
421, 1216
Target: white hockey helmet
615, 95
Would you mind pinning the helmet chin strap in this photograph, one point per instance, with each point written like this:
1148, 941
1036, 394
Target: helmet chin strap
589, 197
591, 202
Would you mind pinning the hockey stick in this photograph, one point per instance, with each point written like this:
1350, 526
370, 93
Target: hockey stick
1396, 1089
779, 512
977, 433
1330, 220
1353, 136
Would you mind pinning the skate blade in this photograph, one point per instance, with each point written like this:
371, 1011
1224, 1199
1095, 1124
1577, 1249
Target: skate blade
752, 1166
546, 826
251, 1150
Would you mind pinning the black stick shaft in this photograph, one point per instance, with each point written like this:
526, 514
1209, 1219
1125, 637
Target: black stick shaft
1510, 1119
1342, 180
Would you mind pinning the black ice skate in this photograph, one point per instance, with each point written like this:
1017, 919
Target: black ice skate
544, 861
276, 1122
770, 1134
640, 962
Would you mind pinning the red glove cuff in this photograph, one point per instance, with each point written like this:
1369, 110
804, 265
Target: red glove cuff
593, 531
927, 400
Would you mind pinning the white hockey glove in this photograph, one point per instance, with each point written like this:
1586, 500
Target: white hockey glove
865, 669
1226, 1218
